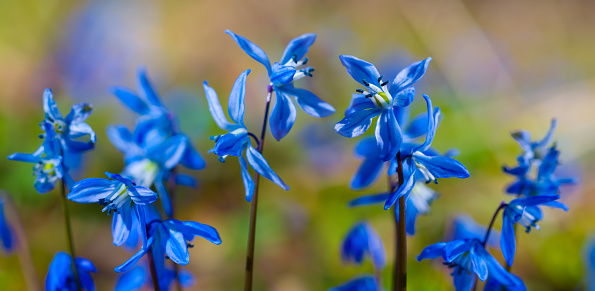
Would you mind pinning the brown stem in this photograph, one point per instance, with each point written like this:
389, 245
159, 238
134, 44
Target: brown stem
400, 270
151, 263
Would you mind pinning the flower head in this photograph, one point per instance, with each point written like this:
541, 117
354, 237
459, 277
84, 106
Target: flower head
362, 240
61, 276
379, 99
360, 283
282, 75
237, 139
534, 150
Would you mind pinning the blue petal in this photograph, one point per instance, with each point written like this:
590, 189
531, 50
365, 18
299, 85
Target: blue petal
283, 116
185, 278
442, 167
409, 76
371, 166
365, 283
499, 273
169, 153
215, 107
142, 195
186, 180
432, 251
232, 143
247, 179
132, 280
507, 239
404, 98
79, 113
356, 123
27, 158
463, 281
556, 204
417, 127
480, 266
121, 226
403, 190
523, 138
158, 250
58, 272
176, 248
550, 133
129, 98
298, 47
388, 135
235, 106
536, 200
193, 228
143, 82
92, 189
455, 248
309, 102
282, 74
260, 165
431, 129
164, 196
360, 70
251, 49
359, 102
191, 158
49, 106
132, 260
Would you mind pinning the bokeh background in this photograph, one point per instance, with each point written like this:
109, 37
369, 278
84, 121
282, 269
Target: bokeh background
498, 66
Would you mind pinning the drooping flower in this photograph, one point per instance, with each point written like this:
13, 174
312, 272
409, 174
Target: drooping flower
360, 283
237, 140
379, 99
119, 196
61, 277
526, 212
282, 75
468, 258
7, 238
361, 241
49, 166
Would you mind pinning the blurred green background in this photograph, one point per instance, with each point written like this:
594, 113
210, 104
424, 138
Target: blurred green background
498, 66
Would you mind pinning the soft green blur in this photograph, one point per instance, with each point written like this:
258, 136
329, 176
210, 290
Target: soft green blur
498, 66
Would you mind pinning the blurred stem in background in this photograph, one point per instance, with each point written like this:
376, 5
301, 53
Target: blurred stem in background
69, 239
400, 264
252, 232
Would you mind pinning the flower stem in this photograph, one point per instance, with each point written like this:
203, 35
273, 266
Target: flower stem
400, 269
485, 239
252, 232
69, 239
154, 278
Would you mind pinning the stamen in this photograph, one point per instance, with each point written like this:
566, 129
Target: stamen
365, 83
361, 91
380, 79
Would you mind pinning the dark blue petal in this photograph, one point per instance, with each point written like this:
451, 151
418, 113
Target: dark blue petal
260, 165
455, 248
535, 200
191, 158
232, 143
215, 107
365, 283
132, 280
169, 153
417, 127
507, 239
409, 76
463, 281
146, 88
556, 204
49, 106
247, 179
411, 213
356, 123
432, 251
404, 98
309, 102
360, 70
251, 49
442, 167
283, 116
91, 190
185, 278
298, 47
359, 102
186, 180
499, 273
235, 106
480, 267
193, 228
371, 166
129, 98
403, 190
388, 135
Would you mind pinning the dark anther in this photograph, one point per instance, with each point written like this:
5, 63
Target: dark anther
294, 58
380, 78
359, 91
369, 95
436, 181
365, 83
189, 245
304, 61
383, 84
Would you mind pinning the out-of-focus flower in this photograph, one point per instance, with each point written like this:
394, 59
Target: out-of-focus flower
237, 140
6, 235
362, 240
361, 283
138, 277
282, 74
379, 100
61, 276
534, 150
589, 260
118, 195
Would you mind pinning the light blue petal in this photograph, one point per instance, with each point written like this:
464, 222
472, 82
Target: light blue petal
523, 138
215, 107
455, 248
176, 248
252, 50
356, 123
121, 226
547, 139
507, 239
499, 273
388, 135
309, 102
282, 74
409, 76
132, 260
91, 190
130, 100
142, 195
145, 87
186, 180
417, 127
443, 167
360, 70
235, 106
193, 228
556, 204
536, 200
232, 143
164, 196
191, 158
282, 117
403, 190
79, 113
359, 102
480, 266
27, 158
49, 106
298, 47
169, 153
432, 251
431, 129
120, 137
260, 165
364, 283
132, 280
371, 166
404, 98
247, 179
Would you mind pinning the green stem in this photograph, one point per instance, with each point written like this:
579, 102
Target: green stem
69, 238
253, 209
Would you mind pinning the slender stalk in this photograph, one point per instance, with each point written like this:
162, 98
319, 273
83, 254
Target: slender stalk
151, 263
69, 239
485, 239
24, 253
252, 233
400, 269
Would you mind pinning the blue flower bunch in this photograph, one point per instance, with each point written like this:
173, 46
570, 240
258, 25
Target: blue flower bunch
7, 238
536, 186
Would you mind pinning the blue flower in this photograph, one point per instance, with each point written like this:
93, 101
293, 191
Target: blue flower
526, 212
362, 240
237, 140
282, 74
469, 258
417, 160
169, 237
138, 277
49, 167
534, 150
361, 283
381, 100
492, 284
6, 235
118, 195
61, 276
